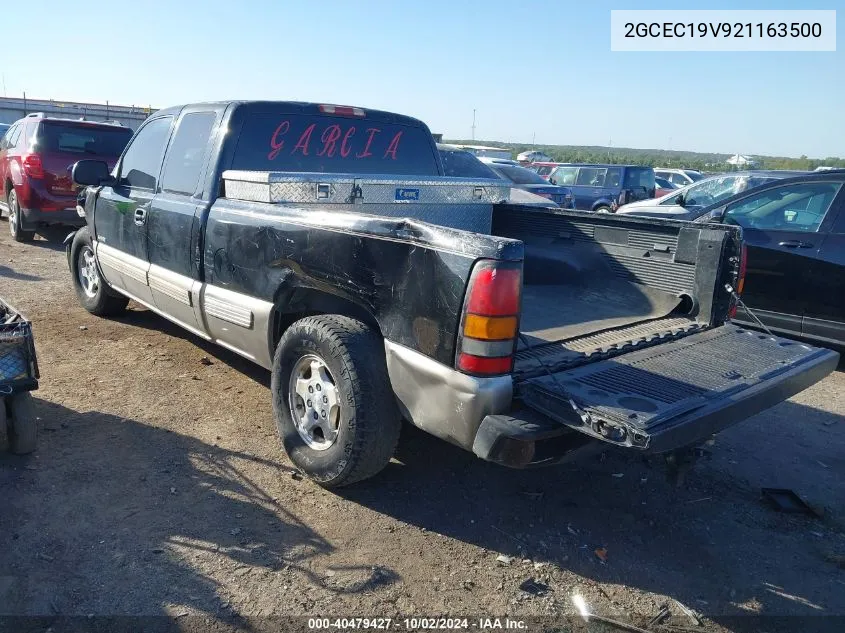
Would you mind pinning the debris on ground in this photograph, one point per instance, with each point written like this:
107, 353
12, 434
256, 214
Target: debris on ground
534, 587
83, 327
693, 617
660, 616
504, 559
205, 360
785, 500
584, 611
601, 554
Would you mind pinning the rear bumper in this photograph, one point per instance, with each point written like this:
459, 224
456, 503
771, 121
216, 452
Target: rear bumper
32, 218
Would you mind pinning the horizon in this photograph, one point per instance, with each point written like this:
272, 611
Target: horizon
560, 84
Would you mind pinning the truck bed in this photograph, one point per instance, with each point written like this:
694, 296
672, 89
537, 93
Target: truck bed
598, 284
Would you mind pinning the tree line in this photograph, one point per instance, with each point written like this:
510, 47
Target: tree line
658, 157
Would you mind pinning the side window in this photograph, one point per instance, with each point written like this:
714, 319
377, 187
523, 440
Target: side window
564, 176
614, 177
186, 154
591, 177
678, 180
142, 160
794, 207
12, 135
4, 142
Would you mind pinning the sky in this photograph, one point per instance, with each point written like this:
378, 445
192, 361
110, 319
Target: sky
530, 69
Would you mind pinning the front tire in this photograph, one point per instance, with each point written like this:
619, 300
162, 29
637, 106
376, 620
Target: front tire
332, 400
90, 287
21, 428
15, 230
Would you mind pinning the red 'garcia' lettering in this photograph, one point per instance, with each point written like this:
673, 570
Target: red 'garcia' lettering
335, 141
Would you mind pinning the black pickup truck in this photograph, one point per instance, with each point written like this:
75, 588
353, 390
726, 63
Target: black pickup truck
323, 243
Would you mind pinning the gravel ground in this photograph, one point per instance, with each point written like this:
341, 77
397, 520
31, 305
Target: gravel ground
159, 487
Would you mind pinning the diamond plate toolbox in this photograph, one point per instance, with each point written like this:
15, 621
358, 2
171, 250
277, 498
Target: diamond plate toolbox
463, 203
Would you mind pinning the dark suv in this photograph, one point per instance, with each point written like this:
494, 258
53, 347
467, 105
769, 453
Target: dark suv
36, 157
604, 188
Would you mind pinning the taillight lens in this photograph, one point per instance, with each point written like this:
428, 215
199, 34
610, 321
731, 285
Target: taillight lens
490, 319
32, 166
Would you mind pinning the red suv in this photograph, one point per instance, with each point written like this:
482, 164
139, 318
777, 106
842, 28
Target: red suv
36, 157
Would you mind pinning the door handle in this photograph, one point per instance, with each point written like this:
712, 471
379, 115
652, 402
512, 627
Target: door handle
795, 244
140, 216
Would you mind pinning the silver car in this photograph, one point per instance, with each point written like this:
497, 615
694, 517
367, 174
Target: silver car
689, 202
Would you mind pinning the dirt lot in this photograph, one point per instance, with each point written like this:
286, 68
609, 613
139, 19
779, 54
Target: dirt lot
159, 487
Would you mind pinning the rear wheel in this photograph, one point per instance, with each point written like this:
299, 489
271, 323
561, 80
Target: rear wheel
20, 423
334, 407
90, 288
602, 209
15, 230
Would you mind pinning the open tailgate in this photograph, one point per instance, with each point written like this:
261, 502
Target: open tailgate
678, 393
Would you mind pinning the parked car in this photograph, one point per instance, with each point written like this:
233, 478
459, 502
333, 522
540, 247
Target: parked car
36, 156
492, 160
458, 163
687, 202
794, 231
544, 169
602, 188
663, 187
680, 177
529, 181
373, 288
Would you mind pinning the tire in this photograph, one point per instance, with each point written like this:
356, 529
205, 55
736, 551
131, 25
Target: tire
92, 291
20, 423
367, 419
15, 230
602, 209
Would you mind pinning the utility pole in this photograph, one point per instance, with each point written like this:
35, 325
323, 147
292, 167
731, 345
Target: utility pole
473, 124
533, 141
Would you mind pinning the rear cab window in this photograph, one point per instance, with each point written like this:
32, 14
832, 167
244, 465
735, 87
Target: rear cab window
316, 142
85, 140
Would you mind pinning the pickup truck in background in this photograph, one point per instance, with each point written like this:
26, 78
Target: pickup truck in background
323, 243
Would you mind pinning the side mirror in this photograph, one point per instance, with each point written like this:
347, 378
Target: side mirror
91, 172
680, 200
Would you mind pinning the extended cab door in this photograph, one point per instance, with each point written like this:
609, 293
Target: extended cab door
173, 223
824, 315
120, 214
783, 227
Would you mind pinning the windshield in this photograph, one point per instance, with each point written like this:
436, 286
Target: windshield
276, 141
58, 136
457, 163
713, 190
518, 175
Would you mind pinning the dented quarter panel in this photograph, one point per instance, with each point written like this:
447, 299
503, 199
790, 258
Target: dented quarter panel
409, 276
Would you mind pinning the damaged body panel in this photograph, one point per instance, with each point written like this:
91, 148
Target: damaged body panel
525, 335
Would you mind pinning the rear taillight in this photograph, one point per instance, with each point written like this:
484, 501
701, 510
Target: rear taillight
490, 319
342, 110
32, 166
740, 279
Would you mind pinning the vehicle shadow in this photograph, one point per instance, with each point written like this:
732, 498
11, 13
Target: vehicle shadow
127, 518
8, 273
149, 320
702, 544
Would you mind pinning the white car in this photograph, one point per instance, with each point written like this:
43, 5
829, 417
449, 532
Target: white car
680, 177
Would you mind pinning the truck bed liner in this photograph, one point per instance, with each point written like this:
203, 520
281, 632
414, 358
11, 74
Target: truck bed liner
563, 354
642, 390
